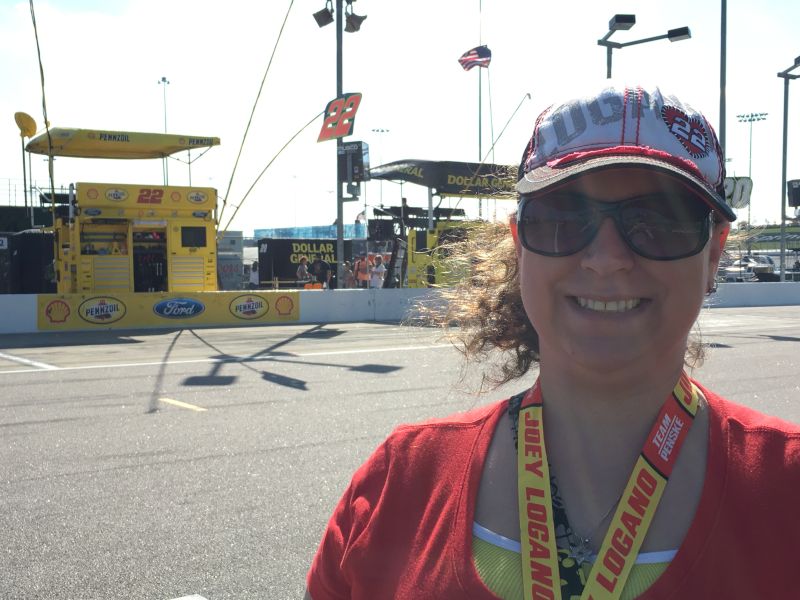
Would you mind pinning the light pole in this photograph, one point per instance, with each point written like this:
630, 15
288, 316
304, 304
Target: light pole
381, 131
352, 24
164, 82
786, 76
625, 22
749, 118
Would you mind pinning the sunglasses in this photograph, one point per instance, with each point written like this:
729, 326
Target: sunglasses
657, 226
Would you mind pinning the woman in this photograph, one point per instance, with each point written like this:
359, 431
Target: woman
349, 276
615, 475
303, 276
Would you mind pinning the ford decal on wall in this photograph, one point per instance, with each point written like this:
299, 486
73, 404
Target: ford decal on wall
179, 308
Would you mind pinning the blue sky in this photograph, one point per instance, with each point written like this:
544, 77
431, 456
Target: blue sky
103, 60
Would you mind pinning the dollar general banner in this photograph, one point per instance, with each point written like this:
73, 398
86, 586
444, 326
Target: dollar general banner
448, 178
62, 312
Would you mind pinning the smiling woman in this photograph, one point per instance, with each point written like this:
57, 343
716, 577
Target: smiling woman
616, 475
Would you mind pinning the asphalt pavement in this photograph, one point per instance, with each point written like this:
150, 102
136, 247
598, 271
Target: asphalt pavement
205, 463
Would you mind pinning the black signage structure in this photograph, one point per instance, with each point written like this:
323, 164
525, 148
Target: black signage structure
448, 178
279, 258
793, 189
353, 162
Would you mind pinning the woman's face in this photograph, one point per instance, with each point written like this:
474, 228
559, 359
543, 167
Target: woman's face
605, 307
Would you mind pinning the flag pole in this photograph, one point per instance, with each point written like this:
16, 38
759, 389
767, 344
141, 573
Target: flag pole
480, 98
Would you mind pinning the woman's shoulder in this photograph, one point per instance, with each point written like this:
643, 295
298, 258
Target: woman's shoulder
760, 444
472, 418
455, 434
746, 418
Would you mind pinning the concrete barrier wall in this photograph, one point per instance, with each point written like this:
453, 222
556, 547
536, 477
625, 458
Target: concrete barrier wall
18, 311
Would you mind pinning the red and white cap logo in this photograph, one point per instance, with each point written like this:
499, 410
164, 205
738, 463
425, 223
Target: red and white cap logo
625, 126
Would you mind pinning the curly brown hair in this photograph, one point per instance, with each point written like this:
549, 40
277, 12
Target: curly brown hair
483, 312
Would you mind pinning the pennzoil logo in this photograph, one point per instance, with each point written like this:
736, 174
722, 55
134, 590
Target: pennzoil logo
102, 310
249, 306
57, 311
196, 197
179, 308
116, 195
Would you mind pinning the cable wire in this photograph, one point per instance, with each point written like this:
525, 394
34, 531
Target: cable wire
46, 121
264, 170
252, 112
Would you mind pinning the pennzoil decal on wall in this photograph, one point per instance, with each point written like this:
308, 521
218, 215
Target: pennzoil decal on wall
249, 306
102, 310
63, 312
340, 117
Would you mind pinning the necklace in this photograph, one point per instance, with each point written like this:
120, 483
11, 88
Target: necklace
580, 549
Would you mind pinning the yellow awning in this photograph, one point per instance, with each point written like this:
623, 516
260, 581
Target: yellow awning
93, 143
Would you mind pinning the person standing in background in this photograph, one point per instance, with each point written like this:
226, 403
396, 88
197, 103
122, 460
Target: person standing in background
377, 273
362, 271
255, 282
349, 276
303, 276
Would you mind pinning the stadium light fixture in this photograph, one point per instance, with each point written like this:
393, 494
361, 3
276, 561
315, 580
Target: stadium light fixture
625, 22
325, 16
352, 21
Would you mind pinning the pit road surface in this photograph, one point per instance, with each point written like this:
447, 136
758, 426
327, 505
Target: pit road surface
162, 464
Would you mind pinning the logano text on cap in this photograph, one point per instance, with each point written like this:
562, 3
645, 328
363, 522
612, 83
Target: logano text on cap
625, 126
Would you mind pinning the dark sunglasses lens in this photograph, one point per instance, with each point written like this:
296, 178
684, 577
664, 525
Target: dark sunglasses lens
556, 225
665, 226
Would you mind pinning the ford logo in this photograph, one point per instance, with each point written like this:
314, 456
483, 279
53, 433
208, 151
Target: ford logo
179, 308
92, 212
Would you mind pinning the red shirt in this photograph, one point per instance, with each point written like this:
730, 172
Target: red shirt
403, 528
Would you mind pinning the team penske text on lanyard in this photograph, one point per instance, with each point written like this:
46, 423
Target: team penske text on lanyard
540, 575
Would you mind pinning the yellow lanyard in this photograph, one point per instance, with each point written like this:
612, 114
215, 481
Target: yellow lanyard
634, 514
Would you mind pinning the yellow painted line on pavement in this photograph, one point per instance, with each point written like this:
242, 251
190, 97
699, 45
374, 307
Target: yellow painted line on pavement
180, 404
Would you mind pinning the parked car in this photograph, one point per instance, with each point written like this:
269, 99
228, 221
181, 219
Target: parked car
753, 267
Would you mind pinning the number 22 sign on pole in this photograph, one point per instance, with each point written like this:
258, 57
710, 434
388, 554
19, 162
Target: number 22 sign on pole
340, 116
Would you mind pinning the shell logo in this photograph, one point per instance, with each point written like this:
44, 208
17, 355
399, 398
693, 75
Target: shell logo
57, 311
175, 196
92, 194
284, 305
116, 195
102, 310
249, 306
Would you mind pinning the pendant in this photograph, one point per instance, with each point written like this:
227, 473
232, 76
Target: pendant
579, 549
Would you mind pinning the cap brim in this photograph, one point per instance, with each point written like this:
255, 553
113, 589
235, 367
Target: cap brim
543, 177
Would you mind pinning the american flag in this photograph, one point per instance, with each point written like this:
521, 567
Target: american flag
477, 57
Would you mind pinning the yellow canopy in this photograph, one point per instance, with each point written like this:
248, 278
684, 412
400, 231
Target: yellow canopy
92, 143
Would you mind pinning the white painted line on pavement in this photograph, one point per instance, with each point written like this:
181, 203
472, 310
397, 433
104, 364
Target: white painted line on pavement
29, 362
233, 360
192, 597
180, 404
